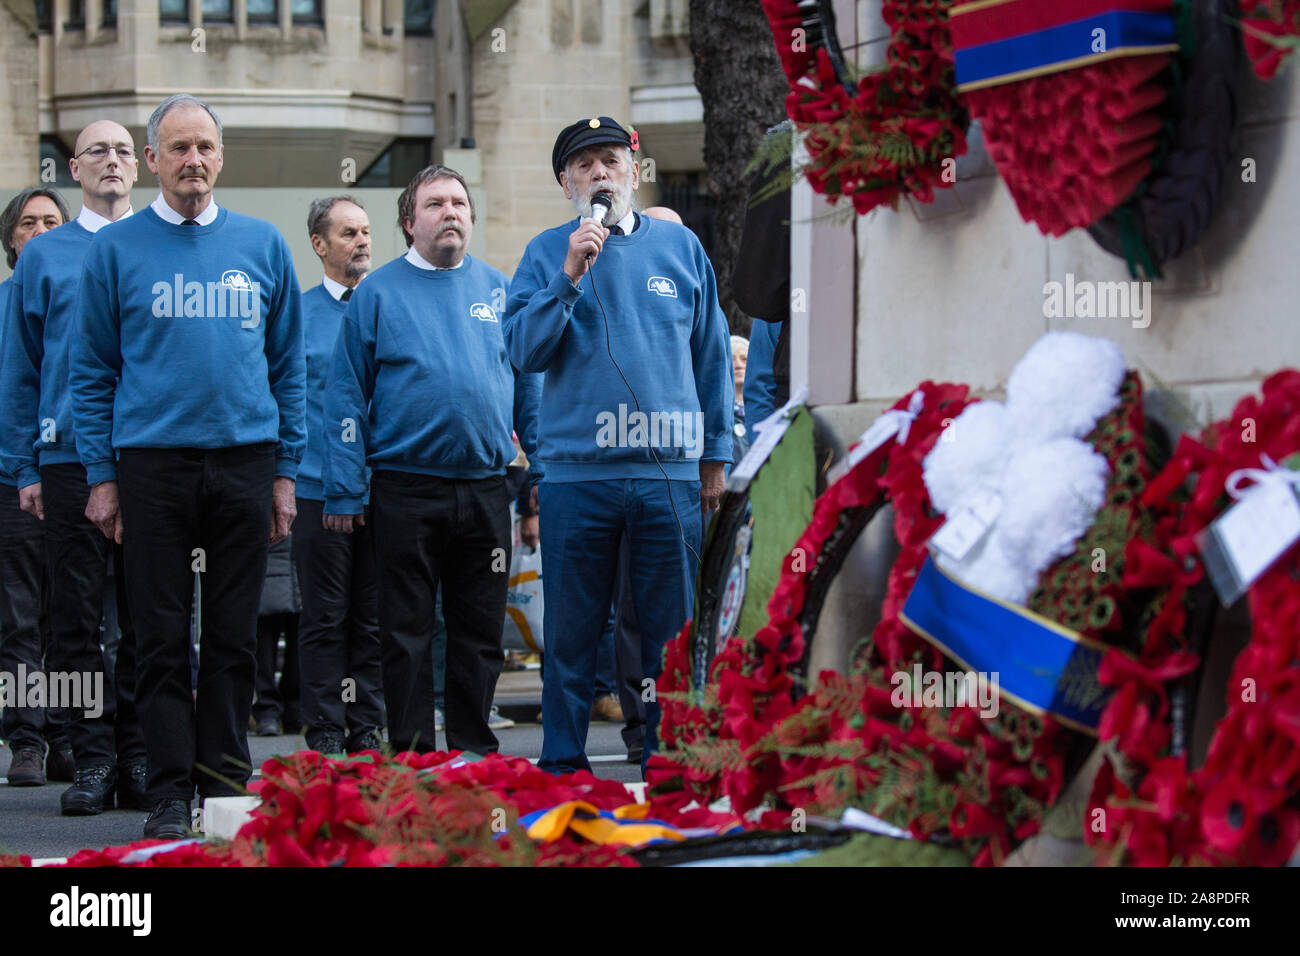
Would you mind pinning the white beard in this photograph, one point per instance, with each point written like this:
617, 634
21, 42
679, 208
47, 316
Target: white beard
622, 203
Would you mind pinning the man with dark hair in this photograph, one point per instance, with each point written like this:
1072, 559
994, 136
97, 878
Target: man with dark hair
338, 630
24, 624
39, 447
635, 422
188, 390
422, 391
33, 211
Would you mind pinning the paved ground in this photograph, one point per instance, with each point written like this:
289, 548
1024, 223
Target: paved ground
30, 821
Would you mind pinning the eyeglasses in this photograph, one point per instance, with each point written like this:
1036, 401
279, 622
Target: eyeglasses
100, 151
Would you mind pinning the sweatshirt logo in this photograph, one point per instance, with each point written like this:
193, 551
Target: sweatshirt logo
662, 286
239, 281
483, 312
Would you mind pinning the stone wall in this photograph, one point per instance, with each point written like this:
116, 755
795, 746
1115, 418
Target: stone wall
20, 159
955, 292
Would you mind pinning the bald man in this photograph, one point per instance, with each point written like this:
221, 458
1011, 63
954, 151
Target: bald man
39, 448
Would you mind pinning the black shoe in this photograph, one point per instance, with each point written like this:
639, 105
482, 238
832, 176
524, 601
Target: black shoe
327, 742
268, 727
27, 769
91, 792
60, 767
132, 782
169, 820
366, 740
634, 753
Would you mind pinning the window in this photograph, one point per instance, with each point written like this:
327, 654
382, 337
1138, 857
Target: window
45, 15
262, 11
174, 11
418, 17
53, 149
306, 11
217, 11
399, 163
110, 14
76, 15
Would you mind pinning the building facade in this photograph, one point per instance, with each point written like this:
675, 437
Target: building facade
347, 94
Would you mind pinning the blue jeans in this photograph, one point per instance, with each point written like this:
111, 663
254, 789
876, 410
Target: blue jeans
582, 524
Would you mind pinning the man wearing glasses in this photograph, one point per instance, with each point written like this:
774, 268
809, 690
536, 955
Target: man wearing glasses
38, 446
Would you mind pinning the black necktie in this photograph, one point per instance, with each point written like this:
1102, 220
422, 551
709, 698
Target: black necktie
616, 230
190, 222
347, 294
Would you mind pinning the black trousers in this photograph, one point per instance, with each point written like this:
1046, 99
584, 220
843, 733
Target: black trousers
432, 532
188, 509
77, 556
24, 624
338, 631
277, 701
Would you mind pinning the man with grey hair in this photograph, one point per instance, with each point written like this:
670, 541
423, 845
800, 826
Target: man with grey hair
39, 447
188, 394
338, 630
635, 426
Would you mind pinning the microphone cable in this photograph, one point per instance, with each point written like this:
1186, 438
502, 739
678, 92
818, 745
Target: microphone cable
681, 531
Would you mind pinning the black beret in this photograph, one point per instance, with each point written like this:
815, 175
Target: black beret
589, 132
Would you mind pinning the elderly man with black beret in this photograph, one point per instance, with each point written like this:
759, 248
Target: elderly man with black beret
621, 313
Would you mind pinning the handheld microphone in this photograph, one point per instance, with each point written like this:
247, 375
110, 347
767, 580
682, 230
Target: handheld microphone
601, 204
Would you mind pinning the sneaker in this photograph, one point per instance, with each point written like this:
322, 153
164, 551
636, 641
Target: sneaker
438, 720
60, 767
169, 820
27, 769
366, 740
606, 708
496, 721
91, 792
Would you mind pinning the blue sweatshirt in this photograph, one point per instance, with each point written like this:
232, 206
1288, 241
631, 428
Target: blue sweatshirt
5, 288
760, 379
322, 318
202, 325
40, 326
667, 333
420, 381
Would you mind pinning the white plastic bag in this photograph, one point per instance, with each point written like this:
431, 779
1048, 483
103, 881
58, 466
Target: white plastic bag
524, 607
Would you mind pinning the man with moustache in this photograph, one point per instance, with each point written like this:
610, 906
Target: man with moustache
24, 625
422, 391
619, 319
338, 629
39, 446
188, 392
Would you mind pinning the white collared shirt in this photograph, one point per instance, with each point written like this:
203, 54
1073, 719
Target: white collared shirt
169, 214
92, 221
335, 289
628, 223
417, 260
